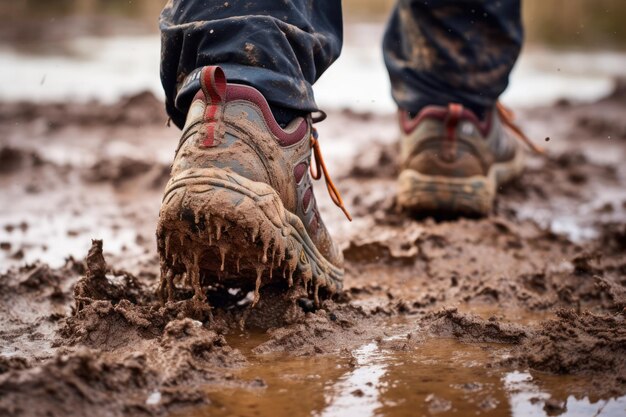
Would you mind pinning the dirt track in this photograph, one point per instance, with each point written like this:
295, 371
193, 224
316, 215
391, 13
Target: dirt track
443, 317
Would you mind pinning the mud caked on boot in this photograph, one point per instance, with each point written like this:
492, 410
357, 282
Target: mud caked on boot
239, 208
453, 163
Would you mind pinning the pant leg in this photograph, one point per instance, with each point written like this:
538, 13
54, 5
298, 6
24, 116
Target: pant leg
279, 47
442, 51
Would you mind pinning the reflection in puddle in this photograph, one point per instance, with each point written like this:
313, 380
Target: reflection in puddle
441, 377
357, 393
528, 400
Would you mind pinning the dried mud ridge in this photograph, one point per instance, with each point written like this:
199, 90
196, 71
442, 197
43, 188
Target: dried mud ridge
89, 337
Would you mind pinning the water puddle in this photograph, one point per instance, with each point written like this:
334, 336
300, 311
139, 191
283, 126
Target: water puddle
357, 392
440, 377
530, 396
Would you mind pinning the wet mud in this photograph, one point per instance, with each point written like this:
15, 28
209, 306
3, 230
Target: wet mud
520, 313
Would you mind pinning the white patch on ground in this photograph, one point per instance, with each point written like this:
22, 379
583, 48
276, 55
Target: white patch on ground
154, 398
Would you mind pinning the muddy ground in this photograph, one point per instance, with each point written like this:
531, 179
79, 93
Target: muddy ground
521, 313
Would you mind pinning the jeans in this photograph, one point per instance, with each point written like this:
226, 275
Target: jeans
436, 51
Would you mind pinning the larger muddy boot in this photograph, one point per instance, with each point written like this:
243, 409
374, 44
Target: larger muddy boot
453, 163
239, 208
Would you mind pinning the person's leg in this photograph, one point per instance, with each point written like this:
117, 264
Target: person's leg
442, 51
449, 61
279, 47
240, 209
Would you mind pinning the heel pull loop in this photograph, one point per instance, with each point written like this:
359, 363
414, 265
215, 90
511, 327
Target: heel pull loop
213, 85
508, 118
317, 160
449, 144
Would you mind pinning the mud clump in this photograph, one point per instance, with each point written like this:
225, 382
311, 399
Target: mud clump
120, 350
385, 244
586, 343
470, 328
13, 159
88, 381
95, 285
332, 328
52, 389
579, 343
33, 302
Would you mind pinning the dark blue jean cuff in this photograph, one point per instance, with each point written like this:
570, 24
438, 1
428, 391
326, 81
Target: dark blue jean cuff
278, 89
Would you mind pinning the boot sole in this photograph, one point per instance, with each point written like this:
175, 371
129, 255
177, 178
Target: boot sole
217, 226
473, 196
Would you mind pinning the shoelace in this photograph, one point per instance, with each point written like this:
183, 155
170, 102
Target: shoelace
508, 118
317, 160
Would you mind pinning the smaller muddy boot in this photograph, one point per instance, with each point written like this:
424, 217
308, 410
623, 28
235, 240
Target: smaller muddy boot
453, 163
239, 209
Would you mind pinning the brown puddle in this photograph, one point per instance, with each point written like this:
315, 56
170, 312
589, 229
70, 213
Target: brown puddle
442, 377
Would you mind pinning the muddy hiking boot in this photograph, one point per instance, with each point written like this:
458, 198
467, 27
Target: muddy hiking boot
453, 163
239, 209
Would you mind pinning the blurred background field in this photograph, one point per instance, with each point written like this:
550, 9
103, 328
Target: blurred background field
64, 49
557, 23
